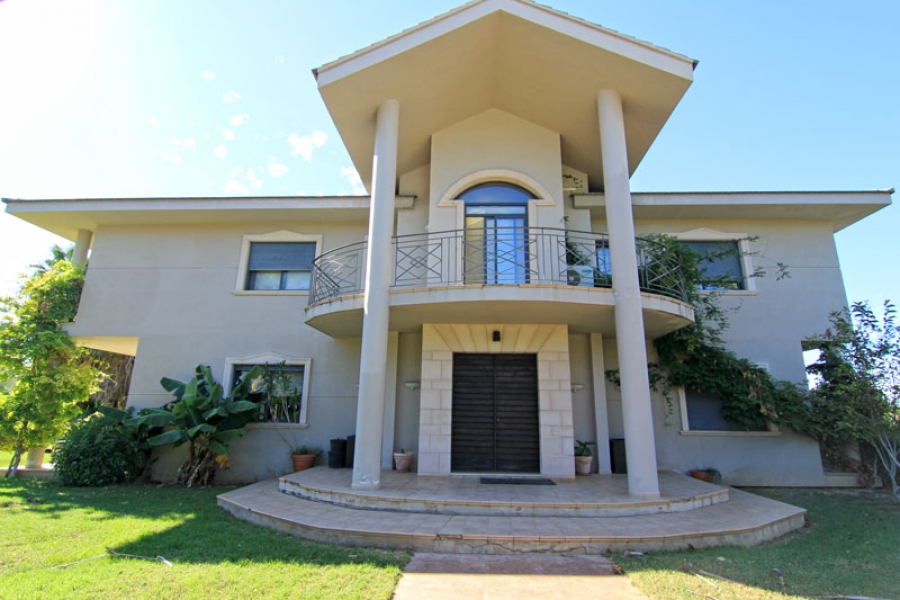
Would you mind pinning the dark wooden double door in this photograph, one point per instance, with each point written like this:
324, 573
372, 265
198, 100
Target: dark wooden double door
495, 426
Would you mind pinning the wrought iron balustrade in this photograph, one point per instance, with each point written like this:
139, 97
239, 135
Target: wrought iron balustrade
496, 256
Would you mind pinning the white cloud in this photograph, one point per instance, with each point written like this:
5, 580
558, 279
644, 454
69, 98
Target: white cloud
277, 169
235, 187
155, 123
238, 120
250, 175
279, 60
178, 148
355, 181
221, 151
228, 134
256, 183
231, 96
305, 144
208, 75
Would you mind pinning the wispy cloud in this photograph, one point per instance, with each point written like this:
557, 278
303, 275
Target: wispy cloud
238, 120
179, 147
255, 182
228, 134
231, 96
221, 151
155, 123
304, 145
276, 169
208, 75
236, 187
352, 177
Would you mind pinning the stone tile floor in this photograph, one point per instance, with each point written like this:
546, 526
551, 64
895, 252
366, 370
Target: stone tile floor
745, 519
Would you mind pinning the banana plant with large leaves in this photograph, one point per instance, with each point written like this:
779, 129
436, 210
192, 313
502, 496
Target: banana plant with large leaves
205, 417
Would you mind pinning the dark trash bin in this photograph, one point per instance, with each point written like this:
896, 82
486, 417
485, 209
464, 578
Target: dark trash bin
351, 448
337, 454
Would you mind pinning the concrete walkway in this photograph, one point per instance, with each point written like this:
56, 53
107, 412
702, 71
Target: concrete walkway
512, 577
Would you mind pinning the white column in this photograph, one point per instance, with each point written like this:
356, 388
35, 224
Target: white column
601, 411
390, 401
82, 245
637, 418
373, 355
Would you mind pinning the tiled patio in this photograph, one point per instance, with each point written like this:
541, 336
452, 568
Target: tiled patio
417, 513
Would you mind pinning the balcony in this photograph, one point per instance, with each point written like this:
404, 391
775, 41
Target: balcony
498, 275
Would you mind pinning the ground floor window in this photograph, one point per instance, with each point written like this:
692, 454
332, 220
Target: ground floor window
280, 389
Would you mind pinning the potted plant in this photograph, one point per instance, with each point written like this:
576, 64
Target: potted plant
402, 460
303, 457
710, 475
584, 457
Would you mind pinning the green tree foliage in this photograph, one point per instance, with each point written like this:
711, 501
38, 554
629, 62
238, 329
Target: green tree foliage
857, 399
46, 373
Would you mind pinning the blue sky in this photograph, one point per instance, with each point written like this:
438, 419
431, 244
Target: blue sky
129, 98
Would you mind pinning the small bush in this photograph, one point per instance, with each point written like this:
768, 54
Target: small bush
96, 452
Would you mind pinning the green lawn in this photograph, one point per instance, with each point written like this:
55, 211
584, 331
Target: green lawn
851, 547
213, 555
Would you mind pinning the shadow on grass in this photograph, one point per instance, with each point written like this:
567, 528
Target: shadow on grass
198, 531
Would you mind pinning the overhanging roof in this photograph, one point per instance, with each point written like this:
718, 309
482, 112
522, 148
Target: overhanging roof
526, 59
66, 217
841, 209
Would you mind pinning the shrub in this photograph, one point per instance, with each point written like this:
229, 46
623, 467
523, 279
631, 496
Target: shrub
96, 452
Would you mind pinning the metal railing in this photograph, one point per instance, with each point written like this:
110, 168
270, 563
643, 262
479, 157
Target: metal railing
497, 256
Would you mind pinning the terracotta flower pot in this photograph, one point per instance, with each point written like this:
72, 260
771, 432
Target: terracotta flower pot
699, 474
583, 465
302, 461
403, 461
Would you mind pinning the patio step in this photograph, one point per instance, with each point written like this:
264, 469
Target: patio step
595, 496
744, 520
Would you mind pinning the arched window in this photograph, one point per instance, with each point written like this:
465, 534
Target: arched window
496, 239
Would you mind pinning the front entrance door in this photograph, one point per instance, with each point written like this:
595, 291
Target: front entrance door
495, 414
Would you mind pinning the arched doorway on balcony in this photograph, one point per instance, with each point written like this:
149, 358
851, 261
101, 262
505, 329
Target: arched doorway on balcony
497, 246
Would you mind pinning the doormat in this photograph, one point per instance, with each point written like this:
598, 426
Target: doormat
517, 481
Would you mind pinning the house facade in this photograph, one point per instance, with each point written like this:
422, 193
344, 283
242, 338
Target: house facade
469, 308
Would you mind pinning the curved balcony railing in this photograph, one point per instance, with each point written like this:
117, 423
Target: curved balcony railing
497, 256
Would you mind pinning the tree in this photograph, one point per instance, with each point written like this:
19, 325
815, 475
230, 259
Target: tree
858, 395
47, 375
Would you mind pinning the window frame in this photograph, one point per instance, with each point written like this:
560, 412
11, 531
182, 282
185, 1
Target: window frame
283, 236
743, 242
686, 430
272, 358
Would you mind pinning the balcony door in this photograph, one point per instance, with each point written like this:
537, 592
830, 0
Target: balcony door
496, 242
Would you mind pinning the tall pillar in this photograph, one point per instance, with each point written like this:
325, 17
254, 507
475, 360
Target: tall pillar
637, 417
373, 355
82, 245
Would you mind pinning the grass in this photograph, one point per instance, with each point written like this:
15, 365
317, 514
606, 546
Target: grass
213, 555
851, 547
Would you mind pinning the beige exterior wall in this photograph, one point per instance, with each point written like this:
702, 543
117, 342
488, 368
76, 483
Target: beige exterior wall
490, 146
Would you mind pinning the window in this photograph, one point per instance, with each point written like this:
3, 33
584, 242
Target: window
281, 389
279, 262
497, 250
280, 265
720, 263
704, 413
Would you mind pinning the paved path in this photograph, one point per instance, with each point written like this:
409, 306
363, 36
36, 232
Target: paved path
512, 577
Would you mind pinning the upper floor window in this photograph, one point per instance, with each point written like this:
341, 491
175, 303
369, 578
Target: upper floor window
720, 264
276, 262
280, 265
